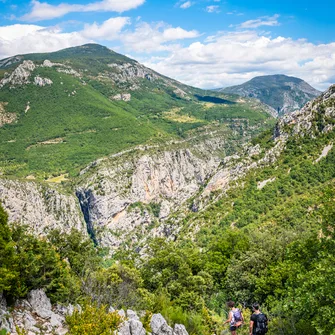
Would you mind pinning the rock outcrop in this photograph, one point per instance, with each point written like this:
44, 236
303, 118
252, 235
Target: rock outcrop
36, 316
41, 207
20, 76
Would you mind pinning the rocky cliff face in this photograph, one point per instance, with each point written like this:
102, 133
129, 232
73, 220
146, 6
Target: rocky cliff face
316, 116
41, 207
132, 192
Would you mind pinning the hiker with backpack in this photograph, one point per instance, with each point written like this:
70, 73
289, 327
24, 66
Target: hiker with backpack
258, 321
235, 317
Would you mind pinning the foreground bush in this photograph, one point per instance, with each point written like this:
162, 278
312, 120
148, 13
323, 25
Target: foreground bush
93, 320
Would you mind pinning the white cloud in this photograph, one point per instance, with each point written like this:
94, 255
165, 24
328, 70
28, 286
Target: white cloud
108, 30
22, 38
154, 37
44, 11
234, 57
213, 9
186, 5
262, 21
225, 59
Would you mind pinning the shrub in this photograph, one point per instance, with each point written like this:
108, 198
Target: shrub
93, 320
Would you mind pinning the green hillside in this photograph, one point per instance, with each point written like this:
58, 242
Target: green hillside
59, 128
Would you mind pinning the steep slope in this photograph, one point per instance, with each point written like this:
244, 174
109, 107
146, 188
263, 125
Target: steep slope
62, 110
284, 94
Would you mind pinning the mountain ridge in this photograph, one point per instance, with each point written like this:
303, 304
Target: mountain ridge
283, 93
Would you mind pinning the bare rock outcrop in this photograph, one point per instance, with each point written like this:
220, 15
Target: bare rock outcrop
40, 207
20, 75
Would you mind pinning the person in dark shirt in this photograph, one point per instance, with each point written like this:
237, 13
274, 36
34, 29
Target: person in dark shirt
254, 320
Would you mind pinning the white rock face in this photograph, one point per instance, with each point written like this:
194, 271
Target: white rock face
179, 330
39, 81
303, 122
167, 179
128, 71
40, 207
136, 327
40, 303
131, 315
159, 326
20, 75
123, 96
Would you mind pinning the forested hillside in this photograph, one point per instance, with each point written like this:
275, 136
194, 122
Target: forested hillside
268, 238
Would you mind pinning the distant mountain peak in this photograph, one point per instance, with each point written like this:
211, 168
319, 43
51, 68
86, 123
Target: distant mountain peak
283, 93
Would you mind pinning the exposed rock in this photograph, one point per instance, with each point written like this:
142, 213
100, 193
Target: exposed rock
168, 178
70, 71
325, 152
136, 327
159, 326
20, 75
48, 63
131, 315
262, 184
40, 207
40, 303
123, 96
127, 72
124, 328
179, 330
39, 81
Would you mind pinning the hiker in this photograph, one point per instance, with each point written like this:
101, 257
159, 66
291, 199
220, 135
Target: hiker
235, 317
258, 322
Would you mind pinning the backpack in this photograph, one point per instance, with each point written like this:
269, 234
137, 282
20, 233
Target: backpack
237, 317
262, 324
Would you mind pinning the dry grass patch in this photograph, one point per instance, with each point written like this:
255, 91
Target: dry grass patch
174, 115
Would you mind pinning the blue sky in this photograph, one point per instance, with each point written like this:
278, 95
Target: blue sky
205, 43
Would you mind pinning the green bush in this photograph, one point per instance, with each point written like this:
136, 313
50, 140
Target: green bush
93, 320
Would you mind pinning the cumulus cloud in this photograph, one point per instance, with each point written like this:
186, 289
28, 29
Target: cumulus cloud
186, 5
234, 57
22, 38
108, 30
225, 59
44, 11
155, 37
213, 9
262, 21
144, 37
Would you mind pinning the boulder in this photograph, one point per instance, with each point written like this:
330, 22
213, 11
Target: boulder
159, 326
179, 330
40, 303
124, 328
136, 327
56, 320
131, 315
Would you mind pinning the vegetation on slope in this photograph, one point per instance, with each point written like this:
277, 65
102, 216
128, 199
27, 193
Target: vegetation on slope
62, 127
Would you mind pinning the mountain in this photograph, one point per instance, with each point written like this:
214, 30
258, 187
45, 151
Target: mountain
284, 94
61, 111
